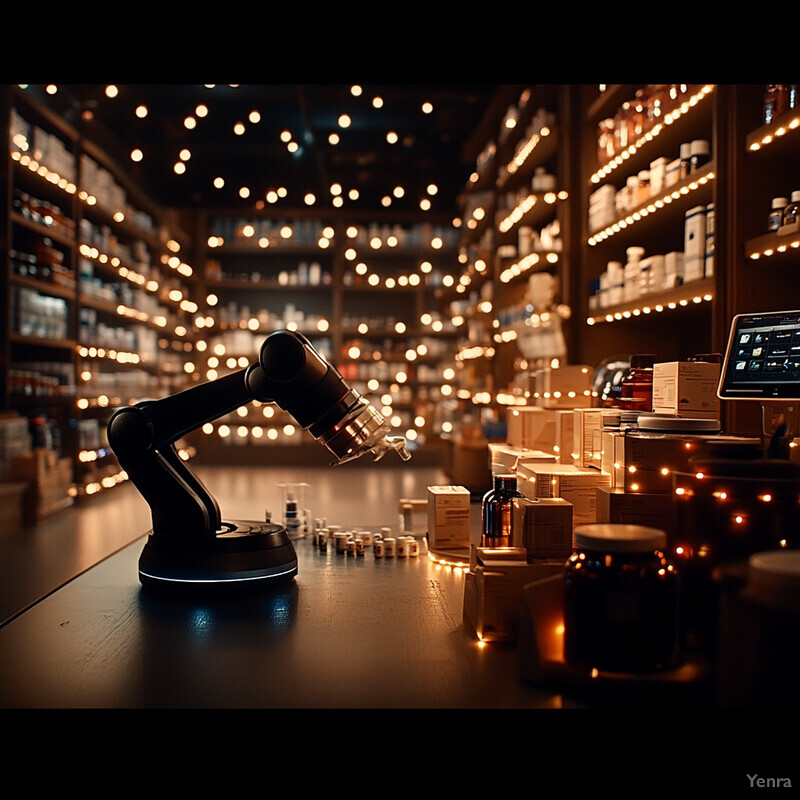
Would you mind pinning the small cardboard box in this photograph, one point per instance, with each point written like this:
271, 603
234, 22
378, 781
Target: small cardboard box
588, 422
574, 484
532, 427
565, 432
686, 388
568, 386
635, 508
612, 459
448, 517
543, 527
493, 595
505, 458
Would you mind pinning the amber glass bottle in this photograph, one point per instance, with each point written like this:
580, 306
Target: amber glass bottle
496, 512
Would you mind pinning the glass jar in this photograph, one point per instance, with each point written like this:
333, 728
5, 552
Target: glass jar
496, 512
636, 388
792, 211
621, 607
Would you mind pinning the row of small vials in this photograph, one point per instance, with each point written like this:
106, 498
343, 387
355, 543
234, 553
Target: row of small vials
357, 542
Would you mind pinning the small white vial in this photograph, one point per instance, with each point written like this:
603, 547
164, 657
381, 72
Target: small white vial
378, 548
402, 547
389, 547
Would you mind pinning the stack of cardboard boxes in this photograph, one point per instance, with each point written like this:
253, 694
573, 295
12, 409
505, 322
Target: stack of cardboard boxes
575, 465
34, 481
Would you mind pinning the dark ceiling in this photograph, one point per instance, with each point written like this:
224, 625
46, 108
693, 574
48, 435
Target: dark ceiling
438, 147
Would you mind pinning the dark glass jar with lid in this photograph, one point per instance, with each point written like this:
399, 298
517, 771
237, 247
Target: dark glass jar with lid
496, 512
621, 600
636, 388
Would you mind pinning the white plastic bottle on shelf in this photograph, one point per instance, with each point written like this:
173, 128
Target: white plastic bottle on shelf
632, 273
694, 244
615, 283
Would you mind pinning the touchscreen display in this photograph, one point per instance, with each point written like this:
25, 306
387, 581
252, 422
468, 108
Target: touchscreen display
762, 358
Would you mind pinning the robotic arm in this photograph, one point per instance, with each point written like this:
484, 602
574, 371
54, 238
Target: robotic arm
189, 543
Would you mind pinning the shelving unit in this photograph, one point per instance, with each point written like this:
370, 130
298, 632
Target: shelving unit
512, 301
365, 288
437, 327
98, 298
653, 220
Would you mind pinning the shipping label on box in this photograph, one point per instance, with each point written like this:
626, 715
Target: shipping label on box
542, 526
686, 388
448, 517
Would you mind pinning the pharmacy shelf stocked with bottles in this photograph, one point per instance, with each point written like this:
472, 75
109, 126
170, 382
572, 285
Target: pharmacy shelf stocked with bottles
649, 251
508, 302
99, 299
363, 292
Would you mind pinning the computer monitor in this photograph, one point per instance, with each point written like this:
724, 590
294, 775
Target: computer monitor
762, 363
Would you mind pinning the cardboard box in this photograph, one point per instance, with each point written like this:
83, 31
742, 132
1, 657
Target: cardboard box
686, 388
587, 424
469, 466
574, 484
448, 517
651, 510
49, 480
504, 458
493, 596
612, 458
565, 432
531, 427
568, 386
543, 527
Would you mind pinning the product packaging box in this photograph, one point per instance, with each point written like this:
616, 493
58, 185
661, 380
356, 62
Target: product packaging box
658, 175
531, 427
587, 424
574, 484
673, 269
565, 432
493, 591
686, 388
448, 518
543, 527
624, 508
504, 458
568, 386
49, 480
613, 456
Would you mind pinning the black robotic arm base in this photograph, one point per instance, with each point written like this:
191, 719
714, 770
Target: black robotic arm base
242, 556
